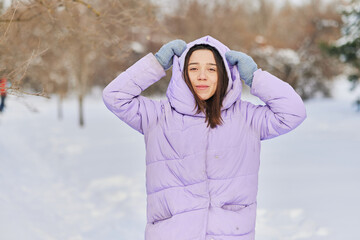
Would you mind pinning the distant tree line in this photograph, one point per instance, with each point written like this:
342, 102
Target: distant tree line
67, 47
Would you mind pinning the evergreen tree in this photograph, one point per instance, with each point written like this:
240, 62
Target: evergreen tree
347, 48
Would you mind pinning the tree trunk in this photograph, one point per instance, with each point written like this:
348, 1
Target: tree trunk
81, 84
81, 110
60, 107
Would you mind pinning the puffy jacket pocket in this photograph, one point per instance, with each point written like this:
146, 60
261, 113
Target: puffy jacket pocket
160, 220
236, 207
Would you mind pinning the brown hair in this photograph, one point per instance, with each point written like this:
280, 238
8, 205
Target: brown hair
212, 106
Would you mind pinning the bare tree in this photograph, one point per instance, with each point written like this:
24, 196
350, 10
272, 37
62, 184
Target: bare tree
57, 44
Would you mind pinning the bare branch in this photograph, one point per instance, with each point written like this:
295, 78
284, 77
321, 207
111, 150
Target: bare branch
17, 91
7, 29
21, 20
89, 6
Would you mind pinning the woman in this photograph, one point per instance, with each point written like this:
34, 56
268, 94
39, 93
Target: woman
203, 141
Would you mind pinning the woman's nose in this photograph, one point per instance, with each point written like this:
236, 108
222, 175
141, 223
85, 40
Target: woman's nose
202, 74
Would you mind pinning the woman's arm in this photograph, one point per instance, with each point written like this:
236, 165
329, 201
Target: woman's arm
122, 95
284, 109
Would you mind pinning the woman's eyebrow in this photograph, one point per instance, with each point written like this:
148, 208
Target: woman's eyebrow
195, 63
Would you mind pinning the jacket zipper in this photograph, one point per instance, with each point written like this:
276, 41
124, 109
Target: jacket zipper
207, 181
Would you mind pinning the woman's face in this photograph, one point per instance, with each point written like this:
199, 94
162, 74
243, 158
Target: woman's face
203, 74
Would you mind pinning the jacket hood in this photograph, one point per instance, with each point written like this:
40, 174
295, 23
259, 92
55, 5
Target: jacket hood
179, 94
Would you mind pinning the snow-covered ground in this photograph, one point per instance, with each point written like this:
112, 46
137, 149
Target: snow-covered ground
59, 181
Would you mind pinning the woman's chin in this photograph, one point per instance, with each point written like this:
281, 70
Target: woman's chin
204, 98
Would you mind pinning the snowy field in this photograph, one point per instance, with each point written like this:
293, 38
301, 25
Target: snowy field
59, 181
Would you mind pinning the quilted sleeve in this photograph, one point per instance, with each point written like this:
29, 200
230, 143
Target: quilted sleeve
122, 95
284, 109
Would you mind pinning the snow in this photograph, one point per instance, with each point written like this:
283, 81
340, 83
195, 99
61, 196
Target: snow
351, 21
137, 47
59, 181
278, 57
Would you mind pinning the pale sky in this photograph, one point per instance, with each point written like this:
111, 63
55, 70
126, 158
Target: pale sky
169, 4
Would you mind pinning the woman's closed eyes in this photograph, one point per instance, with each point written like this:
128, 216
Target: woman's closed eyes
209, 69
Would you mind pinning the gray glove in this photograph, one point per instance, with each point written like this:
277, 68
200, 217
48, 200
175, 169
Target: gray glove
245, 65
167, 51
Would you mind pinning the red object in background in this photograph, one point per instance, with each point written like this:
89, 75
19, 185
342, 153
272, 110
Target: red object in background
3, 86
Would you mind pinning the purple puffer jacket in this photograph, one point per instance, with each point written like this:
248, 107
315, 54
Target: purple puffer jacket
202, 183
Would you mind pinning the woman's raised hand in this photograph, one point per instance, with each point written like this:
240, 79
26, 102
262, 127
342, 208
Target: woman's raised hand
167, 51
245, 64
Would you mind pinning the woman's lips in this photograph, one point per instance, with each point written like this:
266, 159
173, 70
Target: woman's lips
202, 87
